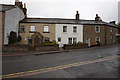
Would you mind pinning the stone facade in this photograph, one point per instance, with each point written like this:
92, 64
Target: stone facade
104, 34
39, 27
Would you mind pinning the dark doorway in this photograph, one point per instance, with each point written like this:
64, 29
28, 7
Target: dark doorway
37, 41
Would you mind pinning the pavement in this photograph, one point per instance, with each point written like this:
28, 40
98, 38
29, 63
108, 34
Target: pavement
100, 62
47, 52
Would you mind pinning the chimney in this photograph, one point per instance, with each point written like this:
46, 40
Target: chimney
77, 15
97, 18
25, 10
19, 4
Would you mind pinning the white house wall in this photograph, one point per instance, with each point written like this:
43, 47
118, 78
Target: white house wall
12, 18
69, 34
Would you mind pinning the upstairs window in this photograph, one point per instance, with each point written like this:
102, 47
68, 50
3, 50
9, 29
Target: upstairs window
46, 29
111, 29
32, 28
97, 29
64, 28
22, 29
74, 29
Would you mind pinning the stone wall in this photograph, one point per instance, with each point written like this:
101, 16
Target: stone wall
9, 48
69, 47
46, 47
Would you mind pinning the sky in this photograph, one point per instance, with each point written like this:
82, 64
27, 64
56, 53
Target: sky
106, 9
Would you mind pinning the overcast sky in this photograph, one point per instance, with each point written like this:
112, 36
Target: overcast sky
107, 9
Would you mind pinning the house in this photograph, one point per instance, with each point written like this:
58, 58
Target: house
10, 17
67, 31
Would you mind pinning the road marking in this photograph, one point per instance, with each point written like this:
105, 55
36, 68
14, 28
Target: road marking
33, 72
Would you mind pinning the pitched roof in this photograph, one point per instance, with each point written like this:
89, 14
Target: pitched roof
64, 21
7, 7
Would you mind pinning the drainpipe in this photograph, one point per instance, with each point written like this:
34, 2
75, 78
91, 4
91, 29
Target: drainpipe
105, 35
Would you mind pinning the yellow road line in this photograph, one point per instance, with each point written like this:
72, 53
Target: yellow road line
58, 66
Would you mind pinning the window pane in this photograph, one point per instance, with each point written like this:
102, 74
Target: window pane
70, 40
74, 40
74, 29
97, 29
22, 29
64, 28
59, 39
46, 29
32, 28
46, 39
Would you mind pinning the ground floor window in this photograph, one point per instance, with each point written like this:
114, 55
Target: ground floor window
59, 39
97, 40
29, 40
72, 40
111, 37
46, 39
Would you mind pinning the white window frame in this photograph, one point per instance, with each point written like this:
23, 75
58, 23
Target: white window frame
32, 28
75, 29
21, 28
46, 28
111, 29
63, 29
96, 39
96, 29
73, 40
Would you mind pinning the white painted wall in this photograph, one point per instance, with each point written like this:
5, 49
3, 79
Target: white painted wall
12, 18
64, 36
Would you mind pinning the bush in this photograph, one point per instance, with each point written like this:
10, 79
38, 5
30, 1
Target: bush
81, 43
49, 43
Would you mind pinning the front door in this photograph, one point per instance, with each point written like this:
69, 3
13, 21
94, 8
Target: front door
37, 41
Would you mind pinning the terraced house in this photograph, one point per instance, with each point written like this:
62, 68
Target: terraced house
67, 31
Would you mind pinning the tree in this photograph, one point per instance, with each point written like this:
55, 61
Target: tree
13, 38
118, 27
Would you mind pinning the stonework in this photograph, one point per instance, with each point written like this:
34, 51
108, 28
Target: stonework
105, 37
39, 27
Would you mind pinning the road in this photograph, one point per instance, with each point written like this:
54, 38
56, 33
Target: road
87, 63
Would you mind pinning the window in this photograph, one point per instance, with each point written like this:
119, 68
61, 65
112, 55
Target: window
97, 40
22, 29
32, 28
111, 37
46, 39
74, 40
64, 28
74, 29
97, 29
29, 40
111, 29
70, 40
59, 39
46, 29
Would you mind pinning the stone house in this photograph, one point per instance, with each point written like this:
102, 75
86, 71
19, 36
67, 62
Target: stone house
67, 31
10, 17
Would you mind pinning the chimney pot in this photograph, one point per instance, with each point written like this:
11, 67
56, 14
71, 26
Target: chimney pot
77, 15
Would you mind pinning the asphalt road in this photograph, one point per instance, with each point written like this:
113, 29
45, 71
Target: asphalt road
75, 64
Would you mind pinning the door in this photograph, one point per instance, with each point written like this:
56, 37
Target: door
88, 41
37, 41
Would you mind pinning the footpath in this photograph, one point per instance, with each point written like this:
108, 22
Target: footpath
49, 52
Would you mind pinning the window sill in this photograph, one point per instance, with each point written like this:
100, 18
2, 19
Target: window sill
46, 32
31, 31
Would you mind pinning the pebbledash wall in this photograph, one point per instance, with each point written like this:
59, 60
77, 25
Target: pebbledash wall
12, 18
69, 34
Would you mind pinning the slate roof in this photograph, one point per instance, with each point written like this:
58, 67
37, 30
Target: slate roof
64, 21
7, 7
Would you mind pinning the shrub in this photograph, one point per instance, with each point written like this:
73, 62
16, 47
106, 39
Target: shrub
49, 43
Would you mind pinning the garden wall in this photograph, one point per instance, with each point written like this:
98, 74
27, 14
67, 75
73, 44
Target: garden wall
8, 48
69, 47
